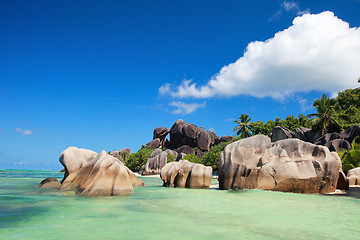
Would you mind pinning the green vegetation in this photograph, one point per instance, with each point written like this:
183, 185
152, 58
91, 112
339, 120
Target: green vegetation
332, 115
138, 159
192, 158
290, 122
243, 129
212, 157
350, 159
170, 158
325, 118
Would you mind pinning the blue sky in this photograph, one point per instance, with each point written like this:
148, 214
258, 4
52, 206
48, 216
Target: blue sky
102, 75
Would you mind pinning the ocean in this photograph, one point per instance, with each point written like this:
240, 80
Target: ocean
156, 212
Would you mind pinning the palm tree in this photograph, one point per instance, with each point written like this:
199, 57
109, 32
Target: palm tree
324, 116
244, 129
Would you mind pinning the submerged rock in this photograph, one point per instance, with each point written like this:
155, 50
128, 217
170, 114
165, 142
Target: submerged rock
185, 174
289, 165
103, 175
50, 182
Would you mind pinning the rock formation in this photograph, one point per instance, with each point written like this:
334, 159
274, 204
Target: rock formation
185, 149
184, 174
96, 175
74, 158
343, 182
337, 144
226, 138
306, 134
156, 161
280, 133
353, 175
123, 154
154, 143
182, 133
324, 139
351, 133
289, 165
49, 182
161, 133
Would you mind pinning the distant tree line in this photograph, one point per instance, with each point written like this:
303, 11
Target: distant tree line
332, 115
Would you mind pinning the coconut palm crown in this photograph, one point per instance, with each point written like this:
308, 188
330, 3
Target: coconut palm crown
324, 118
244, 128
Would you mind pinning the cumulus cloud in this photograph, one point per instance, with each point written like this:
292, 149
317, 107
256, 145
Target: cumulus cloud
24, 132
186, 108
318, 52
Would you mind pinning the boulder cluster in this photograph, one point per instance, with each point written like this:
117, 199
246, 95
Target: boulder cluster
302, 161
288, 165
333, 141
185, 138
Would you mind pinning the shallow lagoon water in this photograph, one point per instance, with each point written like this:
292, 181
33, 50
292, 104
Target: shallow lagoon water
155, 212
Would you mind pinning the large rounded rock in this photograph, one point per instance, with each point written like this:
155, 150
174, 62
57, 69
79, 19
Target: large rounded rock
123, 154
154, 143
343, 182
353, 175
156, 161
103, 175
238, 160
226, 138
351, 133
154, 164
161, 133
49, 182
74, 158
186, 174
215, 139
337, 144
182, 133
307, 134
280, 133
327, 138
185, 149
203, 140
289, 165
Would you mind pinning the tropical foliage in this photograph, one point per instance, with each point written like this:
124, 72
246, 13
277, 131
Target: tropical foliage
325, 118
351, 159
192, 158
138, 159
244, 129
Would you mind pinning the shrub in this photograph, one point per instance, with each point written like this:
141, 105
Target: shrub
170, 158
351, 159
211, 158
138, 159
192, 158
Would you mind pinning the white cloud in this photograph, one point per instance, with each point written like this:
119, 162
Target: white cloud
304, 104
21, 163
288, 7
24, 132
318, 52
186, 108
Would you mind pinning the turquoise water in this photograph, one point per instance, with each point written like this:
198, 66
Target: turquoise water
155, 212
